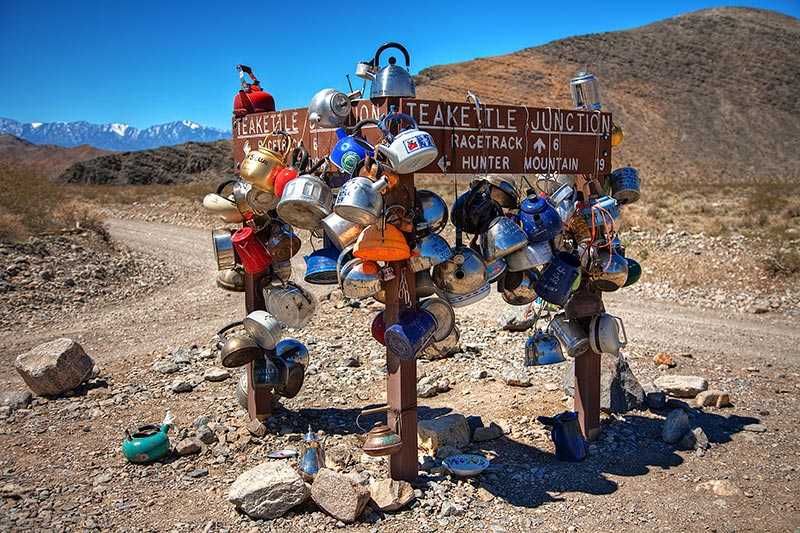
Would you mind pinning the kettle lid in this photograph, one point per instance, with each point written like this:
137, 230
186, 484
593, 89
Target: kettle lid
310, 436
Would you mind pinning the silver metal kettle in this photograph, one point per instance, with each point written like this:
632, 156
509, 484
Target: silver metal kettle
329, 108
392, 80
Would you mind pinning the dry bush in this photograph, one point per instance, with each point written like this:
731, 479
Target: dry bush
77, 214
784, 262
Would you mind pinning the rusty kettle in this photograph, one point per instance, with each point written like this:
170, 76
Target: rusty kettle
380, 440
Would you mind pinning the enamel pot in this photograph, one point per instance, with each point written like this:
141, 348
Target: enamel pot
543, 348
341, 232
625, 185
349, 151
462, 274
251, 251
532, 256
264, 328
321, 266
410, 150
222, 242
602, 212
413, 332
430, 251
539, 219
604, 333
570, 333
291, 304
305, 202
503, 237
558, 278
445, 317
432, 212
517, 287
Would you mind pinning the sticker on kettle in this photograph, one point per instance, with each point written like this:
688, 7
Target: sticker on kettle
349, 161
417, 143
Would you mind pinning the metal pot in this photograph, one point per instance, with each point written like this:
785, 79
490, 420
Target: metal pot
329, 108
223, 207
558, 278
413, 332
293, 350
292, 378
462, 274
543, 348
360, 200
305, 202
447, 347
360, 279
585, 91
281, 241
602, 212
251, 251
240, 190
260, 167
517, 287
604, 332
341, 232
345, 256
223, 249
321, 266
625, 185
424, 284
281, 272
445, 317
391, 80
634, 272
261, 202
608, 271
563, 199
291, 304
432, 212
264, 328
430, 251
239, 350
381, 441
532, 256
570, 333
503, 191
463, 300
502, 238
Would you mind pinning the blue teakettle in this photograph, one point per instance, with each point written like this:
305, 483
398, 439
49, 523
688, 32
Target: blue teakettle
566, 435
539, 219
321, 265
349, 150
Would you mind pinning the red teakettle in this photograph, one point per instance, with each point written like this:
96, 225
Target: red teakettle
253, 254
251, 98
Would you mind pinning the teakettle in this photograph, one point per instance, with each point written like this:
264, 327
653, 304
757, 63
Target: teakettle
502, 238
148, 443
601, 214
221, 205
462, 274
306, 200
604, 332
608, 271
424, 284
341, 232
349, 150
432, 213
260, 167
585, 91
281, 241
251, 251
391, 80
539, 219
299, 164
532, 256
517, 287
329, 108
382, 242
495, 270
292, 350
543, 348
360, 279
570, 333
291, 304
381, 440
239, 350
264, 328
360, 200
474, 210
634, 272
411, 149
251, 98
503, 191
313, 457
429, 252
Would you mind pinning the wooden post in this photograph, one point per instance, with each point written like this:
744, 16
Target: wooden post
587, 393
259, 399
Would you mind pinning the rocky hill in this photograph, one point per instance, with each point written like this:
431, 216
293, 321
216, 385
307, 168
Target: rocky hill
167, 165
112, 136
47, 159
704, 98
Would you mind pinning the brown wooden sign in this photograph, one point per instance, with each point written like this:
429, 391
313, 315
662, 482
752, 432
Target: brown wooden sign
499, 139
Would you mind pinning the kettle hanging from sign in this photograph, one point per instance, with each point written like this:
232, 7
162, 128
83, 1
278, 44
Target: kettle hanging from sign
391, 80
251, 98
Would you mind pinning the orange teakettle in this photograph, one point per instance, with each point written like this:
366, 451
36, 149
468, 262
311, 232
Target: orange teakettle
382, 242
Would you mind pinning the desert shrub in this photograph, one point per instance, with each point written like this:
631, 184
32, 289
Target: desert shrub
783, 261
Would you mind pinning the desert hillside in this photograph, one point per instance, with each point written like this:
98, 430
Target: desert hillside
45, 158
706, 97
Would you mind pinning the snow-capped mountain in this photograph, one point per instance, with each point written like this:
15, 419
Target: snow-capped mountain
111, 136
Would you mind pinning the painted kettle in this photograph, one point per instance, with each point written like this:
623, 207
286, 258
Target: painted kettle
391, 80
411, 149
380, 440
251, 98
148, 443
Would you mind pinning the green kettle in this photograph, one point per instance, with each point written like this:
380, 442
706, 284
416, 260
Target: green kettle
148, 443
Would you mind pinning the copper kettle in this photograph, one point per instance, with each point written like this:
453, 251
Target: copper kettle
381, 440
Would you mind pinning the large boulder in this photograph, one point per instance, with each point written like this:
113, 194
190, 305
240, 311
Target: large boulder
339, 496
620, 391
268, 490
391, 495
681, 386
54, 367
446, 430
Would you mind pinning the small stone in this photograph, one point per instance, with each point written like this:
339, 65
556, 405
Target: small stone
198, 472
493, 431
484, 495
257, 428
16, 399
720, 487
337, 495
694, 440
755, 428
102, 479
165, 366
206, 435
446, 430
189, 446
681, 386
712, 398
479, 374
351, 362
450, 509
675, 426
391, 495
55, 367
446, 451
216, 374
516, 377
427, 387
181, 385
655, 398
268, 490
664, 359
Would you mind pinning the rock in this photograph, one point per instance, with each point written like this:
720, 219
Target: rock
446, 451
165, 366
216, 374
180, 385
16, 399
427, 387
198, 472
713, 398
720, 487
445, 430
516, 377
484, 495
391, 495
450, 509
493, 431
337, 495
515, 321
479, 374
675, 426
351, 362
474, 422
268, 490
206, 435
755, 428
257, 428
681, 386
620, 391
189, 446
695, 439
664, 359
338, 457
655, 398
54, 367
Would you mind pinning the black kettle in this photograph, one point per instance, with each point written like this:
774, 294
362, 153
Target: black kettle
474, 210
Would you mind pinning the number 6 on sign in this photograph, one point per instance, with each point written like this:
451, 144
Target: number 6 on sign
555, 144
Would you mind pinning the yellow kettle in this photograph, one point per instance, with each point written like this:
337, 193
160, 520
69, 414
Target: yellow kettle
382, 242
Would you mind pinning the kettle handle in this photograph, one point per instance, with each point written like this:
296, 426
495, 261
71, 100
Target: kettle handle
624, 341
221, 186
300, 158
386, 46
289, 141
393, 116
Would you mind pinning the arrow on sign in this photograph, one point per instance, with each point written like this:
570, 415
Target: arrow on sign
539, 145
443, 164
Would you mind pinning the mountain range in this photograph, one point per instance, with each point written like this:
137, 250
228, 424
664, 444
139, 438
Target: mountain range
118, 137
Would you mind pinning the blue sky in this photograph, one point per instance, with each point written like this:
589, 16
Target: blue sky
146, 62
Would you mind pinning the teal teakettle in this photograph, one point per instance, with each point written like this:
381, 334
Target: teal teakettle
148, 443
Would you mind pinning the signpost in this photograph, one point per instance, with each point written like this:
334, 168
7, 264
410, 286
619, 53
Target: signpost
496, 139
